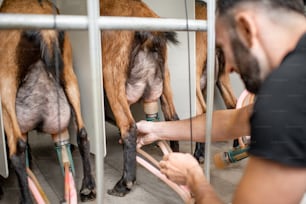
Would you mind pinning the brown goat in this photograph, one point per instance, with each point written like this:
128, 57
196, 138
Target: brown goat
31, 87
134, 69
222, 77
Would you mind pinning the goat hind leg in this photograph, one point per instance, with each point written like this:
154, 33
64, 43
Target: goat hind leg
88, 189
18, 161
199, 151
17, 147
167, 106
124, 185
15, 140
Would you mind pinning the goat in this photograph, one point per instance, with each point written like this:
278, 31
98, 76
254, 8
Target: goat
222, 77
31, 88
134, 69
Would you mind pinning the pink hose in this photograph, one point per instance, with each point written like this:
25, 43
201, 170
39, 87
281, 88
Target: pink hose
35, 192
70, 191
241, 98
164, 147
181, 190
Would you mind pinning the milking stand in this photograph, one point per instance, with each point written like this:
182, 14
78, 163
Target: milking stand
152, 165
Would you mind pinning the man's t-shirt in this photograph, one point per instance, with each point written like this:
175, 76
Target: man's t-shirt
278, 124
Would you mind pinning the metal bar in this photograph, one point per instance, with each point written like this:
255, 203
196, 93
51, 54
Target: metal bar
4, 171
13, 21
210, 82
98, 97
72, 22
164, 24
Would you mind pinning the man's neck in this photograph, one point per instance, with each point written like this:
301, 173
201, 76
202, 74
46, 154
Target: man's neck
283, 39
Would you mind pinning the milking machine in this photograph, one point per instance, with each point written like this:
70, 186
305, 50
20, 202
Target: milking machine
62, 147
224, 159
152, 165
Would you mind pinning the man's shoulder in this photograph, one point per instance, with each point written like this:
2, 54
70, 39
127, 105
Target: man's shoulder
297, 57
292, 70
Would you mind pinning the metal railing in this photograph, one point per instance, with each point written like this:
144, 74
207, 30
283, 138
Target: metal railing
70, 22
95, 52
210, 82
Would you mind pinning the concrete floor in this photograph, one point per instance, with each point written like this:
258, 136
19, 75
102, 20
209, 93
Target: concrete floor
148, 188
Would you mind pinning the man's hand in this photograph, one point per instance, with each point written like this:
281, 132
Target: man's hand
146, 133
181, 168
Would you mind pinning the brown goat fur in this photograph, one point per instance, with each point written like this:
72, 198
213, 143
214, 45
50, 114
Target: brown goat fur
134, 69
222, 77
22, 53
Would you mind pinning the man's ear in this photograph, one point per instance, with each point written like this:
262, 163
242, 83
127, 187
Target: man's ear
245, 28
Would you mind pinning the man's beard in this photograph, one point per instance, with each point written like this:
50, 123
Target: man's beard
246, 63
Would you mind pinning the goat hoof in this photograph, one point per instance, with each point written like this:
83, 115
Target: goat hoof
121, 188
87, 195
118, 192
201, 159
199, 156
88, 190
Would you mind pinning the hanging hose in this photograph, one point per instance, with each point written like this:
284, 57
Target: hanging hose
36, 189
70, 190
224, 159
151, 111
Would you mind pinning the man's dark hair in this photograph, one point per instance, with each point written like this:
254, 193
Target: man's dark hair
223, 6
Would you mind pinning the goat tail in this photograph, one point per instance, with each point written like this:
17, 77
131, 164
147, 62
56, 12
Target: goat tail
154, 40
50, 45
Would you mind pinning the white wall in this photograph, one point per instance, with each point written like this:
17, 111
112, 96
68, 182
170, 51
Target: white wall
178, 55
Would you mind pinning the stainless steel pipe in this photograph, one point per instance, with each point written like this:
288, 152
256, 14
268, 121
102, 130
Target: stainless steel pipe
69, 22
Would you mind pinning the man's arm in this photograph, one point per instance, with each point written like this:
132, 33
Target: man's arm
267, 182
202, 191
183, 169
227, 124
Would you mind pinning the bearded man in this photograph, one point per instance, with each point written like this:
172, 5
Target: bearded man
265, 42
